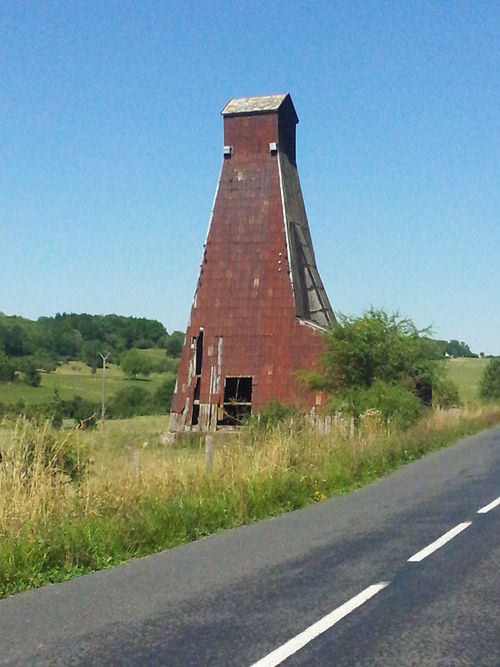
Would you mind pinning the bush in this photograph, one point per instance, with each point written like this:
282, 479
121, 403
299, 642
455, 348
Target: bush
380, 362
30, 373
274, 413
53, 410
164, 365
131, 401
83, 411
445, 394
7, 370
174, 343
133, 363
397, 405
489, 385
163, 395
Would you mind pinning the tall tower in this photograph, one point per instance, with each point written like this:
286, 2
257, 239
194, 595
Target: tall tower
260, 307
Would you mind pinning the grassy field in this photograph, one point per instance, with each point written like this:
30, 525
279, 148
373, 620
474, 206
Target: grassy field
131, 497
76, 378
466, 374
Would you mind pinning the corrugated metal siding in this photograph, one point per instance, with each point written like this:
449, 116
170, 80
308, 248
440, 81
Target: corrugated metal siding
245, 303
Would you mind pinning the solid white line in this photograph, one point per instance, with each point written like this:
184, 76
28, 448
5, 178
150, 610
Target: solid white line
299, 641
492, 505
439, 542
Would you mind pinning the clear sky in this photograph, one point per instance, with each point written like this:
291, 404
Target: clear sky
111, 146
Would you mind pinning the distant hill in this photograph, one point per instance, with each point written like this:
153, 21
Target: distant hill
79, 336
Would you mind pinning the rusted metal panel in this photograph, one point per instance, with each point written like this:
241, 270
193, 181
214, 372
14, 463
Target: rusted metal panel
260, 307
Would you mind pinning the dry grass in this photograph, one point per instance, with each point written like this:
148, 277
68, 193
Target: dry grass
58, 518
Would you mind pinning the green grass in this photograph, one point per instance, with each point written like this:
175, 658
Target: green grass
466, 374
71, 379
138, 499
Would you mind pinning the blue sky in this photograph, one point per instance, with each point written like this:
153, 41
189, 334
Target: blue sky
111, 146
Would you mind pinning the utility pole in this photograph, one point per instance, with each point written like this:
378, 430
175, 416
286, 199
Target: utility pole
103, 408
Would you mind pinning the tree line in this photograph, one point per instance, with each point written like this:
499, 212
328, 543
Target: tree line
29, 346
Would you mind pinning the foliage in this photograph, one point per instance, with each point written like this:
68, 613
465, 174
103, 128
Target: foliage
31, 374
138, 499
445, 393
7, 369
54, 410
395, 404
274, 413
80, 336
130, 401
376, 346
489, 386
163, 395
377, 361
83, 411
455, 348
133, 363
174, 344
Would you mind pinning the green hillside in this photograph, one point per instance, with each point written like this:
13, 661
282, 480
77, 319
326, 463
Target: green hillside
466, 374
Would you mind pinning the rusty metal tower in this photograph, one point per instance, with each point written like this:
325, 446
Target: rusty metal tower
260, 307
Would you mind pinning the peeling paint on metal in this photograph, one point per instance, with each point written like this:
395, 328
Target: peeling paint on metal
259, 290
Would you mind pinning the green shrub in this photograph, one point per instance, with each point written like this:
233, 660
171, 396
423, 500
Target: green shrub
7, 370
396, 404
53, 410
83, 411
445, 394
130, 401
275, 412
163, 395
133, 363
489, 385
29, 371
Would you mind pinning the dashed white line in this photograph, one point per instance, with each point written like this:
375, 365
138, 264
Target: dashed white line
280, 654
420, 555
283, 652
491, 506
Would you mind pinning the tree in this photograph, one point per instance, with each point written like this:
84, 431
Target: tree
129, 401
379, 346
457, 348
89, 353
163, 394
174, 344
489, 385
7, 370
31, 374
377, 361
133, 363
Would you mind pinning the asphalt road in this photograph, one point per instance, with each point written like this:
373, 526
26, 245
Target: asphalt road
291, 590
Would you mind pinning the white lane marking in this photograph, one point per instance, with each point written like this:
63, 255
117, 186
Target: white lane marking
439, 542
280, 654
491, 506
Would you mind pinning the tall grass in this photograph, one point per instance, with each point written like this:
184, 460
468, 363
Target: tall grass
75, 502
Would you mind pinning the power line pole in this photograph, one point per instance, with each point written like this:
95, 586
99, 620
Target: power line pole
103, 408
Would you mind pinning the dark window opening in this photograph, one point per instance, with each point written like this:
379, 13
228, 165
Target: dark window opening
196, 414
199, 353
237, 401
238, 389
197, 389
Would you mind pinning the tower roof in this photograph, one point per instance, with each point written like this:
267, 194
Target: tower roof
262, 104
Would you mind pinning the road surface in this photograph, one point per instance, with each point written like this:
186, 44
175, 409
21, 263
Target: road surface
402, 572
